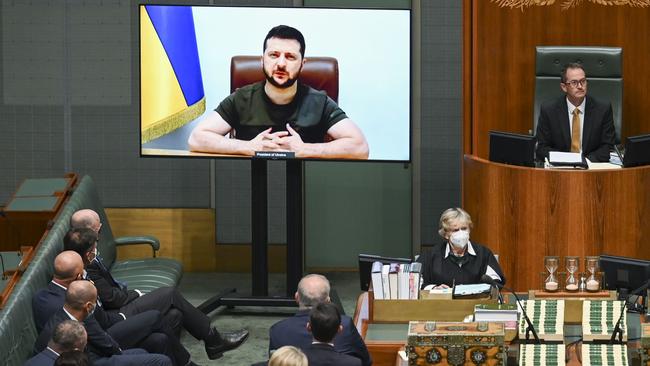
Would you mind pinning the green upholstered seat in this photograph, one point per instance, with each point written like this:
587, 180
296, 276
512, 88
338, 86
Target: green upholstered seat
148, 274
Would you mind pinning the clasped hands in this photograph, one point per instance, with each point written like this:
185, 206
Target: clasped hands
288, 140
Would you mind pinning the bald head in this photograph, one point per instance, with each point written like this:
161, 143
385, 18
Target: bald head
80, 294
68, 265
87, 219
313, 289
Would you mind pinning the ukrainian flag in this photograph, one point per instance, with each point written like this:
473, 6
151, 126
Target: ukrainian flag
171, 88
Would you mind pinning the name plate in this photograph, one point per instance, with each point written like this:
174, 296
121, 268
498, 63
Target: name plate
275, 154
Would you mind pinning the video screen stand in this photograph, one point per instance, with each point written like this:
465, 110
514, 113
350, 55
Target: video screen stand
259, 215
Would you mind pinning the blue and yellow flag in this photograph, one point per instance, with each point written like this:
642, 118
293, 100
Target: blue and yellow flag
170, 73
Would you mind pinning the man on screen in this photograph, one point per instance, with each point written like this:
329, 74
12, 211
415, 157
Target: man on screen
280, 113
575, 122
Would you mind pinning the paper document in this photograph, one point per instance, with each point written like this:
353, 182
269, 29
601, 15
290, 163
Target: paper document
564, 157
614, 158
596, 166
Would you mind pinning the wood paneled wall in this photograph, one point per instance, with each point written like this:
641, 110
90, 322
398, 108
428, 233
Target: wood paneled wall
499, 62
188, 235
524, 214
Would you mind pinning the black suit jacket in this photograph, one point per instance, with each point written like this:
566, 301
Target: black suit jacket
100, 343
49, 300
320, 354
553, 132
293, 332
44, 358
112, 293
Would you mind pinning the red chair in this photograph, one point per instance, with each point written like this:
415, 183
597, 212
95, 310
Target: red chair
321, 73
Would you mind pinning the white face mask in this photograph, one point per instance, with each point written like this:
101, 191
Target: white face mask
459, 238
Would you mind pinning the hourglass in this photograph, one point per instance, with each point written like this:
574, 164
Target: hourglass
551, 281
593, 274
572, 266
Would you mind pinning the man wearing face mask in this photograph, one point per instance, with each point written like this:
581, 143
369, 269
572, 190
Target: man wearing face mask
458, 260
80, 304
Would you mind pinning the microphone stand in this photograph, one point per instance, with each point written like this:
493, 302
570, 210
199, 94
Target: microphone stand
2, 262
530, 328
617, 328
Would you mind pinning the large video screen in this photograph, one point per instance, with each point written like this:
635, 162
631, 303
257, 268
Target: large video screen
280, 83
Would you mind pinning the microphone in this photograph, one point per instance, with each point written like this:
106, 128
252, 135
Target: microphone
617, 328
530, 328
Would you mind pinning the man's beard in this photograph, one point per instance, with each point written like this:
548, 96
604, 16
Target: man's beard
287, 84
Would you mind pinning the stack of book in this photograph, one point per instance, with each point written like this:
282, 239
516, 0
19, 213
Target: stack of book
506, 313
496, 313
396, 280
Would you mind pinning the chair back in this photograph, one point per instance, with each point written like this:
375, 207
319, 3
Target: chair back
321, 73
603, 66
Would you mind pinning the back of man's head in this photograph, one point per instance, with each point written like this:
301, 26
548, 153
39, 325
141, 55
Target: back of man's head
72, 358
79, 294
324, 322
85, 218
286, 32
313, 289
67, 266
79, 240
69, 335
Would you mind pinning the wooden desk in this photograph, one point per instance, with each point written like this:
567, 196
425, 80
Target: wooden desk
31, 208
384, 340
524, 214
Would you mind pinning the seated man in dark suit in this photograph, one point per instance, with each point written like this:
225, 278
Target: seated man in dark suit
116, 295
324, 324
314, 289
575, 122
147, 330
80, 304
72, 358
69, 335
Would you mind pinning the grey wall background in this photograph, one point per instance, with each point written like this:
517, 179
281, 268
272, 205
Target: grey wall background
69, 103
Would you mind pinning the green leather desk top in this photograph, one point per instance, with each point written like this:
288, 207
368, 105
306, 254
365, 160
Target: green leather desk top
43, 203
387, 332
41, 187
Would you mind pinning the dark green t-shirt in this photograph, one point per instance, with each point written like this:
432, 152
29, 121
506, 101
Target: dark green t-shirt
249, 111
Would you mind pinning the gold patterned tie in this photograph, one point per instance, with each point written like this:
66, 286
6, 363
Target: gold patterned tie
575, 131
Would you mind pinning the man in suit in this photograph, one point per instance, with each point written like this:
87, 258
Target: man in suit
575, 122
314, 289
116, 295
147, 330
80, 304
324, 324
69, 335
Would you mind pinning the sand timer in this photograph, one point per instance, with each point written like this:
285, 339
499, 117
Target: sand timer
572, 266
551, 281
593, 279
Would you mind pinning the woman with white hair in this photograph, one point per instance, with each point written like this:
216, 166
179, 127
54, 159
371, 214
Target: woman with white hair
457, 260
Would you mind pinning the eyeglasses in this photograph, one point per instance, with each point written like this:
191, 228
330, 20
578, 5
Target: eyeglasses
575, 83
